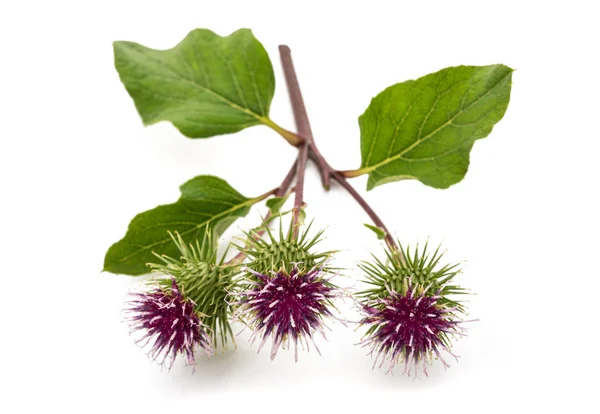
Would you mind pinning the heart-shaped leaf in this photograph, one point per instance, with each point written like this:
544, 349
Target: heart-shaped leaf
424, 129
206, 85
206, 202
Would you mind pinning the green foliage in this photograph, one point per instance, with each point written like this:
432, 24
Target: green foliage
206, 202
206, 85
379, 232
419, 268
276, 203
424, 129
203, 279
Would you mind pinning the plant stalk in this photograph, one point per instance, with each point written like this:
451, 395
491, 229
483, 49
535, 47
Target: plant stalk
303, 128
289, 136
279, 192
299, 188
299, 109
308, 146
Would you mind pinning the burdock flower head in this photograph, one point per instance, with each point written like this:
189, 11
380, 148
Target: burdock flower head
185, 306
206, 281
410, 317
285, 300
168, 320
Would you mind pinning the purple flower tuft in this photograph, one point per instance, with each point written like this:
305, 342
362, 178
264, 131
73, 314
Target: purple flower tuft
409, 328
288, 307
169, 320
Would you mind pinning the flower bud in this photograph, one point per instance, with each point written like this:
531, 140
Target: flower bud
410, 315
285, 293
205, 281
271, 254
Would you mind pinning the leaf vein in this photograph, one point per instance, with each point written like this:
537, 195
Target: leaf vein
183, 233
399, 155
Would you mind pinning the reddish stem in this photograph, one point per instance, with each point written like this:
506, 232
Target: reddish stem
299, 187
303, 127
304, 130
300, 114
279, 192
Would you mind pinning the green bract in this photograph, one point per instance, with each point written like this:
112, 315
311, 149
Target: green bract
380, 233
403, 267
276, 203
283, 252
206, 85
424, 129
205, 202
203, 279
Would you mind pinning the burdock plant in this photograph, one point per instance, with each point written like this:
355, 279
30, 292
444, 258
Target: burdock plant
207, 86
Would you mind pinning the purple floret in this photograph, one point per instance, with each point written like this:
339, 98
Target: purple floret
169, 320
286, 307
409, 328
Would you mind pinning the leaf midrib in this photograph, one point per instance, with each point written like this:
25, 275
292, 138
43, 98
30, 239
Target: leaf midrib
435, 131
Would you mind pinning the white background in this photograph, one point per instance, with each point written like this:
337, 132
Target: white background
77, 165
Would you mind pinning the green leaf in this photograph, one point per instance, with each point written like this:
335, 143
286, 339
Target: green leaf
379, 232
424, 129
302, 216
206, 85
205, 202
274, 204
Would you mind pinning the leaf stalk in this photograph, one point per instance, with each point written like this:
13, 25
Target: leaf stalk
353, 173
289, 136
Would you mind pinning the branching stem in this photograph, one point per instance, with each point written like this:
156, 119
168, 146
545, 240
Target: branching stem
309, 149
305, 142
